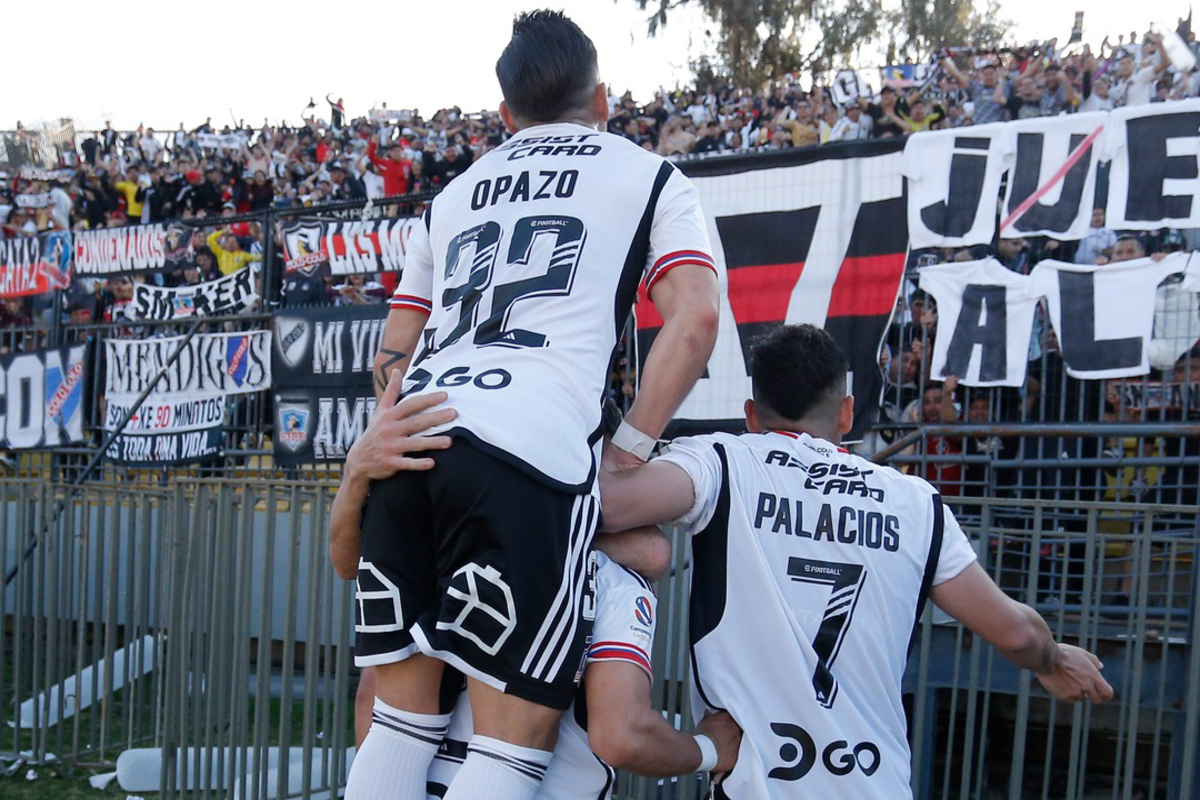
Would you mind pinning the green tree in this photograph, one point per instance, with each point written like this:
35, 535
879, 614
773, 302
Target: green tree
759, 40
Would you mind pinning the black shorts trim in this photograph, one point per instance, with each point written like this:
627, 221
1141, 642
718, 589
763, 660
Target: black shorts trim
525, 466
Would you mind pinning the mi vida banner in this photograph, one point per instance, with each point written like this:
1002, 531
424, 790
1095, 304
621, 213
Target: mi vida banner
236, 292
322, 361
181, 419
41, 398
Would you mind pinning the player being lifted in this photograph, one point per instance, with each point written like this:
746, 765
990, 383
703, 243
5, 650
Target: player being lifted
515, 290
811, 567
612, 722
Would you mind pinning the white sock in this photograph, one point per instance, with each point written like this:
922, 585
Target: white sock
394, 759
496, 770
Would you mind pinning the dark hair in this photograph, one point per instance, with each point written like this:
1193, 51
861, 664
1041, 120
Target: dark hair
795, 368
548, 68
1129, 237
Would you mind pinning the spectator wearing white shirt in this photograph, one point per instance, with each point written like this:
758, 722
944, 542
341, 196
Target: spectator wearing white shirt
852, 126
1098, 242
1134, 87
151, 147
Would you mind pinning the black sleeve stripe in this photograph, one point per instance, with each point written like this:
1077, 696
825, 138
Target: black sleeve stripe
710, 551
637, 576
639, 251
931, 565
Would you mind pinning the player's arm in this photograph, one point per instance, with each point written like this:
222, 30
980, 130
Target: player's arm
645, 550
682, 284
1021, 636
400, 337
687, 299
652, 494
384, 449
627, 732
410, 306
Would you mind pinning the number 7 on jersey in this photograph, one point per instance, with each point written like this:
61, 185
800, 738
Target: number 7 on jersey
847, 581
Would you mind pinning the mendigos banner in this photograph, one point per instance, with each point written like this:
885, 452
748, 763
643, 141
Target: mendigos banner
41, 398
322, 362
35, 264
181, 418
347, 248
234, 292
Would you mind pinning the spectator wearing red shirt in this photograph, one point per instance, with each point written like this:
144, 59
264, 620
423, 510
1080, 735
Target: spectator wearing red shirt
946, 474
395, 169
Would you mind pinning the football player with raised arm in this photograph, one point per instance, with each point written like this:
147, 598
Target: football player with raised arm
516, 287
810, 570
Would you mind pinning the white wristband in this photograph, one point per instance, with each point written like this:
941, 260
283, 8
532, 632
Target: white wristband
631, 440
708, 753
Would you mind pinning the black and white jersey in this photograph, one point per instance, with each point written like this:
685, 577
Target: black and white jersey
528, 265
626, 616
811, 566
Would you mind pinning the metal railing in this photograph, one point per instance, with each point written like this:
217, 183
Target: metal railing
203, 619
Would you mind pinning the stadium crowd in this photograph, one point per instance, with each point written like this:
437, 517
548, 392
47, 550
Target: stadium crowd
152, 176
214, 171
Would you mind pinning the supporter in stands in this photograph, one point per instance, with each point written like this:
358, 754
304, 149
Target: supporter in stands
395, 169
15, 326
888, 115
1097, 246
983, 92
923, 113
854, 125
225, 244
941, 467
358, 290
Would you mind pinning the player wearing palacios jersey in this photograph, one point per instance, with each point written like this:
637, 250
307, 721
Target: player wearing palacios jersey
811, 568
516, 287
626, 617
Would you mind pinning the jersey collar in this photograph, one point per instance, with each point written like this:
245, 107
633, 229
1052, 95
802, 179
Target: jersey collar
794, 435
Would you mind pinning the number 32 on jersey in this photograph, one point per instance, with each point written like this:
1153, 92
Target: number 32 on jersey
521, 277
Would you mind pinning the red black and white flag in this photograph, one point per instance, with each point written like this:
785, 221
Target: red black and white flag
817, 236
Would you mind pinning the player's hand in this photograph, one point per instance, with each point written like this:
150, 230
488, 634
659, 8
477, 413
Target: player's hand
384, 448
726, 735
614, 459
1076, 676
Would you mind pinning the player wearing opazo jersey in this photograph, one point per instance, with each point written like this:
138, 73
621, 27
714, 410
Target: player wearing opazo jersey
820, 561
624, 727
516, 286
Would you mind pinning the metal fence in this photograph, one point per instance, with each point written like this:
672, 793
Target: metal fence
203, 619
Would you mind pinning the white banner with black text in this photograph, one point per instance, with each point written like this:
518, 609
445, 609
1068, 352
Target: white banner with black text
181, 419
235, 292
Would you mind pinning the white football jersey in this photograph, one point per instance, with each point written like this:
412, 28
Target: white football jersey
528, 264
626, 615
810, 567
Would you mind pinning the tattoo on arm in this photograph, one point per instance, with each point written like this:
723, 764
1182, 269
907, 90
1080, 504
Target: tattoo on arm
394, 356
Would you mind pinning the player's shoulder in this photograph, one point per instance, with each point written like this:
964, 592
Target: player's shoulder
900, 480
704, 443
